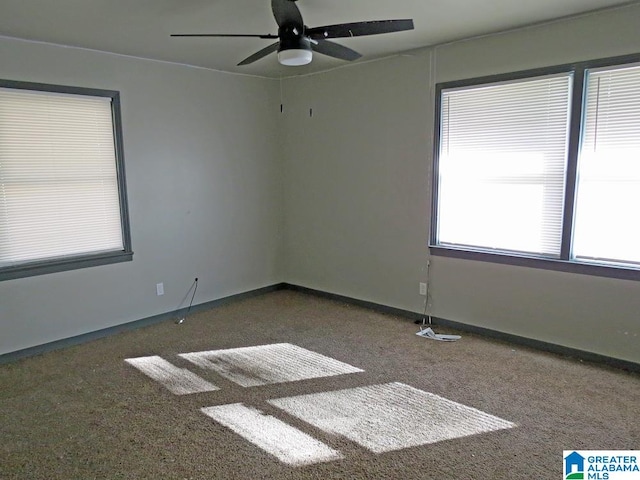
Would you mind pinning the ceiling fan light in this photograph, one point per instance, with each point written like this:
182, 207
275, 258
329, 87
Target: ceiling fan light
295, 57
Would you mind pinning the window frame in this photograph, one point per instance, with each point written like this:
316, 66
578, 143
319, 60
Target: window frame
564, 263
73, 262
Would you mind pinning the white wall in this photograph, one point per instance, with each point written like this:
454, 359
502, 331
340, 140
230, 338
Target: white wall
357, 192
203, 175
356, 196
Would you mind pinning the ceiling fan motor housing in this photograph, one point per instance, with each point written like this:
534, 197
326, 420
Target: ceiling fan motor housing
292, 38
295, 48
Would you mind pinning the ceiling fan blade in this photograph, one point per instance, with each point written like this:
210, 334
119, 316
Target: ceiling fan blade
262, 53
286, 12
335, 50
358, 29
221, 35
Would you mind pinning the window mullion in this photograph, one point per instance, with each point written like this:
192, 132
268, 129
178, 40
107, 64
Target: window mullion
575, 131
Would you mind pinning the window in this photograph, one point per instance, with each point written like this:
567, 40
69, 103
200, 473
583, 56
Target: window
62, 187
607, 225
502, 164
542, 168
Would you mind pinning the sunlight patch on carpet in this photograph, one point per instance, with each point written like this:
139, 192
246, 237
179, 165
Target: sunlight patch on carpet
287, 443
179, 381
393, 416
268, 364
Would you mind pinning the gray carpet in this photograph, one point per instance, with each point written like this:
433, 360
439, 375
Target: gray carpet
84, 413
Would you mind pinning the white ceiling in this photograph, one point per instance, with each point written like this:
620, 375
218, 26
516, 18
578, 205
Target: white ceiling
141, 28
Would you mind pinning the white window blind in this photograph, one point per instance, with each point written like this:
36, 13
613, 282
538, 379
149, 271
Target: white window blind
58, 178
502, 165
607, 223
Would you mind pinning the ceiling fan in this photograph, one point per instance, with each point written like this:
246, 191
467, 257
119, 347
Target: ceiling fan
296, 42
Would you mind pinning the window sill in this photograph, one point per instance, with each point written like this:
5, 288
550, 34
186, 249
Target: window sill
63, 264
581, 268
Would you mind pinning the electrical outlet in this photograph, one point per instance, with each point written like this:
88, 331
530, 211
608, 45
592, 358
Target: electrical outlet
159, 288
423, 288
